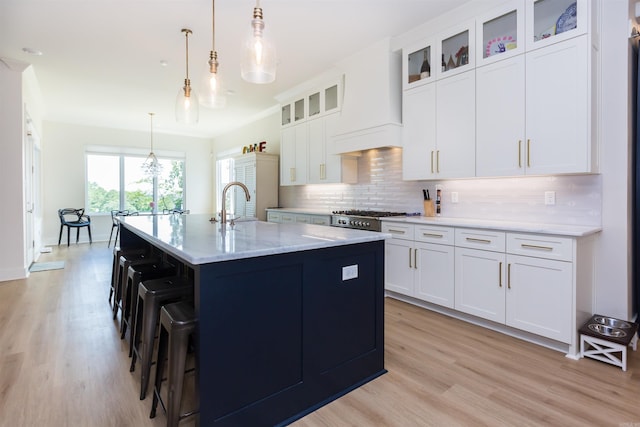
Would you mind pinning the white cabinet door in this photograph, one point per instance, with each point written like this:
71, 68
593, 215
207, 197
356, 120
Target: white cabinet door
435, 274
399, 268
293, 155
455, 126
539, 296
317, 150
500, 127
419, 133
480, 283
557, 108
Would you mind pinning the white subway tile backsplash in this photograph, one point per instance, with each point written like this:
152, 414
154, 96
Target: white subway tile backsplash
380, 187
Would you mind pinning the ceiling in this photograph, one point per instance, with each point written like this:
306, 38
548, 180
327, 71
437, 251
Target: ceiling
101, 59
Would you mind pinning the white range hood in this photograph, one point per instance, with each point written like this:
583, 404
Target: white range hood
371, 115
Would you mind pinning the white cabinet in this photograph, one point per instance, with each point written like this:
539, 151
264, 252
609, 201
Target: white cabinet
480, 267
439, 131
417, 62
283, 216
455, 126
553, 21
293, 155
419, 133
419, 262
500, 33
500, 125
324, 166
456, 50
557, 108
259, 172
554, 98
540, 285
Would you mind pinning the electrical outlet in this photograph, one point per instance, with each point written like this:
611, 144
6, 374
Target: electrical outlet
550, 198
454, 197
350, 272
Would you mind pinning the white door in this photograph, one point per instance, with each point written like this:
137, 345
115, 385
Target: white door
419, 133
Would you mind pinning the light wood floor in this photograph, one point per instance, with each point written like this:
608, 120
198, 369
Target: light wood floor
62, 363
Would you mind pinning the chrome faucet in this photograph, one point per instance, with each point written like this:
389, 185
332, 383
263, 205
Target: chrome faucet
223, 213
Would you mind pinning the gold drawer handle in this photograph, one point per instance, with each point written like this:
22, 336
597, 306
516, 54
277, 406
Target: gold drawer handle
542, 248
519, 153
500, 274
391, 230
471, 239
439, 236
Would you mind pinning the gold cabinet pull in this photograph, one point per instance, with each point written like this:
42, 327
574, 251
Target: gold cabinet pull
292, 174
500, 274
431, 161
519, 153
509, 276
393, 230
439, 236
415, 258
410, 266
323, 171
528, 153
542, 248
471, 239
438, 161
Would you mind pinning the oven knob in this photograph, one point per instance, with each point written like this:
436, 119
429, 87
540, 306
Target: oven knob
352, 223
368, 224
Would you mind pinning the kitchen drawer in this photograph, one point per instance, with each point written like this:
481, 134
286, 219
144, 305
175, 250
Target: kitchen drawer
487, 240
321, 219
398, 230
550, 247
434, 234
287, 217
273, 216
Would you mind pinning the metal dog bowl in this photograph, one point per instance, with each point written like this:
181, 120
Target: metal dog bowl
611, 322
607, 330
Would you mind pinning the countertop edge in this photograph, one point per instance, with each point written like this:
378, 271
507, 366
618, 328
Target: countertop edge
510, 226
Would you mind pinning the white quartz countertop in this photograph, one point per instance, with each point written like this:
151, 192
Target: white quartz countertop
196, 240
523, 227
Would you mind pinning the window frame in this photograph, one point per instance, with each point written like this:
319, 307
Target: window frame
122, 153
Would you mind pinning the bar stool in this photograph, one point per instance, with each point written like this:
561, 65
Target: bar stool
135, 275
124, 263
152, 295
115, 271
177, 324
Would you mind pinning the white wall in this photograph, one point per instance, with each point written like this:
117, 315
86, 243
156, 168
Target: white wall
266, 129
12, 250
64, 171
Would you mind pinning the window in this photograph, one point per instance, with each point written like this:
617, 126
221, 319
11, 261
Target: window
116, 181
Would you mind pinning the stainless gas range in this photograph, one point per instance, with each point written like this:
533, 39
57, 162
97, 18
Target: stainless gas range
361, 219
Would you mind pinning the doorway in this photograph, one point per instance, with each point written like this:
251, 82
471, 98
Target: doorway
32, 188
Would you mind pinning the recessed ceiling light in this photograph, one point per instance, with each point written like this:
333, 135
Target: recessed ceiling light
31, 51
164, 63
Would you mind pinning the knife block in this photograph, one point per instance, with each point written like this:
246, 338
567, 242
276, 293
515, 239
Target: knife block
429, 208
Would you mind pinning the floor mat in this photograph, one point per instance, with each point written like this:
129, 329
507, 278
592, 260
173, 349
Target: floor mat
44, 266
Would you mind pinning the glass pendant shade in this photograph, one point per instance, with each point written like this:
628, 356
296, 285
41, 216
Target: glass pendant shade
187, 110
151, 166
258, 63
212, 87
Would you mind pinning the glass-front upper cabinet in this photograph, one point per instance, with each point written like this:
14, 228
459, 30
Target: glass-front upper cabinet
552, 21
313, 101
417, 61
332, 97
285, 115
299, 113
456, 50
500, 33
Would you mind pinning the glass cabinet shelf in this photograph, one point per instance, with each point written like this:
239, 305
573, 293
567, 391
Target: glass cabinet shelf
500, 35
286, 115
418, 64
298, 110
314, 104
331, 98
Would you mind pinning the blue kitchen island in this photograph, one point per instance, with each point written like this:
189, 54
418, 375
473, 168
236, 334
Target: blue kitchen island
290, 316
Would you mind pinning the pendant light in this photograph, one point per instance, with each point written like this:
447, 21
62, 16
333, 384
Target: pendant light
151, 167
187, 100
212, 91
258, 54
